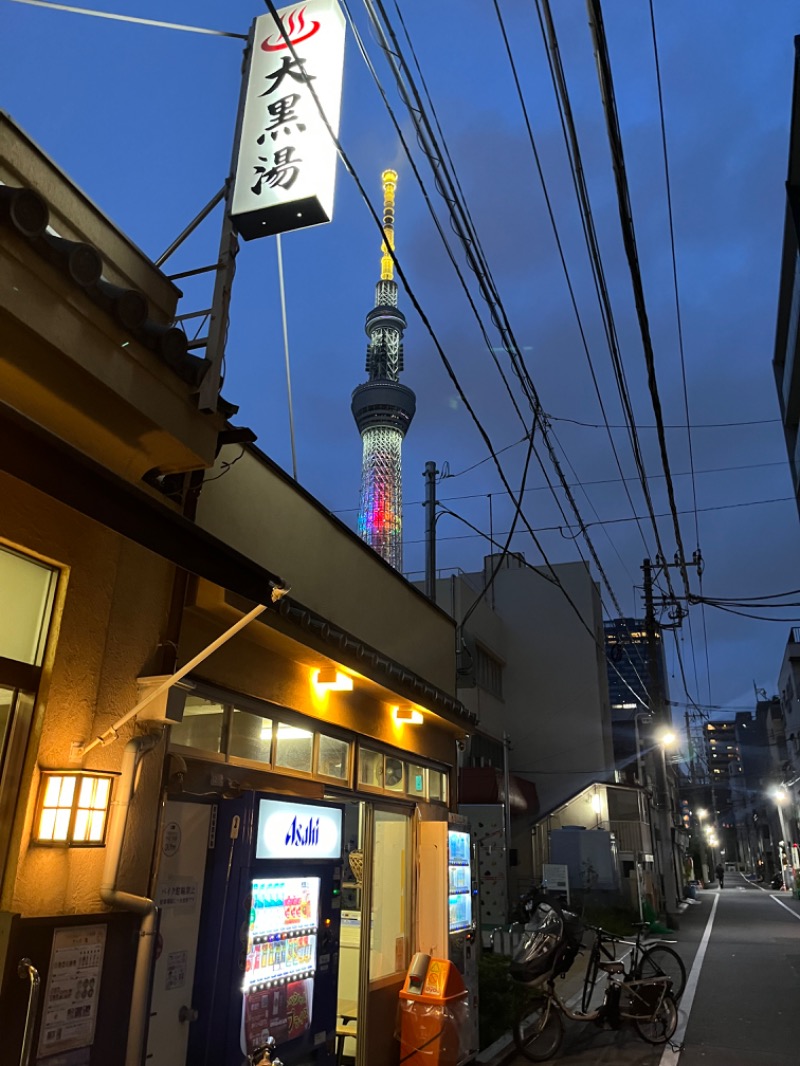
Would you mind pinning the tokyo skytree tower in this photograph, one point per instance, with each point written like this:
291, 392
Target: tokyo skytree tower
382, 407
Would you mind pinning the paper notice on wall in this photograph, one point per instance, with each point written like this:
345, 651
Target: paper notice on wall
177, 963
69, 1013
179, 893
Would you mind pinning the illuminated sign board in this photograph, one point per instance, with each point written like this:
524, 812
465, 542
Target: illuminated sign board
289, 830
285, 158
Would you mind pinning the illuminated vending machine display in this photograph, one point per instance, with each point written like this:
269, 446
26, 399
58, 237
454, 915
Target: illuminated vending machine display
281, 958
292, 945
459, 881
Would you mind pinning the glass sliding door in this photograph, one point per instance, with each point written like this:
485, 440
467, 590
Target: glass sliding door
389, 907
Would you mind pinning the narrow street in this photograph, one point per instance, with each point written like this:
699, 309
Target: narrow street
741, 947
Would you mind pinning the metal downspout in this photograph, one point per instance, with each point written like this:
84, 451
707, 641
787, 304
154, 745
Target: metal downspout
110, 894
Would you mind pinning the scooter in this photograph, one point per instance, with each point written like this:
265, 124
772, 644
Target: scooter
777, 881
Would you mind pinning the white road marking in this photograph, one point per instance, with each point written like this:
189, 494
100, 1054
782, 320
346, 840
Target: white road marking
780, 903
671, 1057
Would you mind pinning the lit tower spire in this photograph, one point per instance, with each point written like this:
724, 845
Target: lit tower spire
382, 407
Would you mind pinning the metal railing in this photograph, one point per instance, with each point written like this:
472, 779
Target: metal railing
28, 972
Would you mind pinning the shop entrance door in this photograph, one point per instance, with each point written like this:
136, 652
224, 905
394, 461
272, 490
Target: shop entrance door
375, 932
390, 898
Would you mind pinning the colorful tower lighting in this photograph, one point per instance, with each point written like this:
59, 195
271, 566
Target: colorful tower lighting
382, 407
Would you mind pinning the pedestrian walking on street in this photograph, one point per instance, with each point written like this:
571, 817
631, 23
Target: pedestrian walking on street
720, 872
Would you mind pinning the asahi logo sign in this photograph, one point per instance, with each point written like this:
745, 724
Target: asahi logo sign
289, 830
286, 157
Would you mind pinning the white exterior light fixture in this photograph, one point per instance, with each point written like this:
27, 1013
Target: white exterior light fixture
407, 716
329, 679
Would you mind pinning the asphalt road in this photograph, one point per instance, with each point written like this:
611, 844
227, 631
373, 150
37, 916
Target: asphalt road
741, 1007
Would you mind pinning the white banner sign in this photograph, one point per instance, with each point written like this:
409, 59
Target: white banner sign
289, 830
286, 158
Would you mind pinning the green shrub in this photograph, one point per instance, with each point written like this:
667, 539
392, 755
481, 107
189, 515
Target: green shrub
498, 997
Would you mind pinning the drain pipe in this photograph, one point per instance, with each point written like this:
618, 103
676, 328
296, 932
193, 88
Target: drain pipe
134, 751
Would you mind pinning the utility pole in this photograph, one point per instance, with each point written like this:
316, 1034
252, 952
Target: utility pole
430, 530
664, 850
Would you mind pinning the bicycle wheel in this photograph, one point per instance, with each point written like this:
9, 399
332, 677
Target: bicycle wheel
590, 979
661, 961
538, 1029
659, 1028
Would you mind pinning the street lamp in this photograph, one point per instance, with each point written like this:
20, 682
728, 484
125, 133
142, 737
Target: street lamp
665, 852
781, 796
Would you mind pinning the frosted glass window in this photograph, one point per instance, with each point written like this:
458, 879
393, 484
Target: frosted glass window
437, 786
201, 726
294, 748
27, 599
370, 768
394, 775
251, 737
334, 758
390, 938
416, 780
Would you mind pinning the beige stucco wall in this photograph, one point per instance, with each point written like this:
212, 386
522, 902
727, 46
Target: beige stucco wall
329, 569
110, 614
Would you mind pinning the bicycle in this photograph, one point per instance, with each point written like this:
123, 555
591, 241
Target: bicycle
650, 960
647, 1002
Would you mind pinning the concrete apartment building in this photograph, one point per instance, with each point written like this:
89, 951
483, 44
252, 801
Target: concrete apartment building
532, 670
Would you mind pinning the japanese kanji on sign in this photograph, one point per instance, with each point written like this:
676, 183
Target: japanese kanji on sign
286, 158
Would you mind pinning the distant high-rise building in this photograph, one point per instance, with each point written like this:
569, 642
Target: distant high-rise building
382, 407
629, 685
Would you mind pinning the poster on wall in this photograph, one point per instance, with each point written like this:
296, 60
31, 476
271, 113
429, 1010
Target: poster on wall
285, 157
69, 1012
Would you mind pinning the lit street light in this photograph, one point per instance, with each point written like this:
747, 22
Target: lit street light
781, 797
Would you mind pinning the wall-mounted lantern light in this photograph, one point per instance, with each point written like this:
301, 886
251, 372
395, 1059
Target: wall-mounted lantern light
72, 808
407, 715
329, 679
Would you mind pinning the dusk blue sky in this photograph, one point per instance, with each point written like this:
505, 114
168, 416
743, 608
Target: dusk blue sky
142, 120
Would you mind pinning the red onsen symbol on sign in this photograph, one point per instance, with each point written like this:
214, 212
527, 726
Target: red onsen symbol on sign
295, 27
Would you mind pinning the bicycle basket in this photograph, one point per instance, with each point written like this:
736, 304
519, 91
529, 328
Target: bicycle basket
641, 998
539, 948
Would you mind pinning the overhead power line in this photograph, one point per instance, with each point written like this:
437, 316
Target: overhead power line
130, 18
574, 156
673, 425
435, 150
632, 255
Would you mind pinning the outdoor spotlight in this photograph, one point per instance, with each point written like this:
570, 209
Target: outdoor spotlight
407, 715
329, 679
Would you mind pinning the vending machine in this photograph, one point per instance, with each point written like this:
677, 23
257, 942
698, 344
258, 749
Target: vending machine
274, 896
447, 896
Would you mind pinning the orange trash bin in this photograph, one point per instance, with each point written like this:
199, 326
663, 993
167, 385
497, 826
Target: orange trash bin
434, 1009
